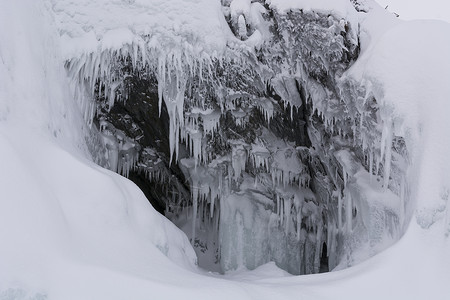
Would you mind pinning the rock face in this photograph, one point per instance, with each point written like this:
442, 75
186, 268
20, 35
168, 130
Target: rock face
261, 155
140, 121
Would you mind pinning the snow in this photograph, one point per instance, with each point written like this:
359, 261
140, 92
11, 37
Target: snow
413, 10
340, 8
59, 212
418, 95
72, 230
167, 23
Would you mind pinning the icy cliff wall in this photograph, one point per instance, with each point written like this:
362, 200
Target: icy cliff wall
275, 132
266, 123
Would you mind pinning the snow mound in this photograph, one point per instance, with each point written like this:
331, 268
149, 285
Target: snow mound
169, 24
415, 92
58, 210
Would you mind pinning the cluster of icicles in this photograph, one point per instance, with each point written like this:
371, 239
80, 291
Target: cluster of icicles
298, 211
122, 152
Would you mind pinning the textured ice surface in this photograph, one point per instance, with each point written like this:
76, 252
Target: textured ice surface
190, 58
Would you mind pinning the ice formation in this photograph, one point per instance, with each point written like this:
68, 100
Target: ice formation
308, 197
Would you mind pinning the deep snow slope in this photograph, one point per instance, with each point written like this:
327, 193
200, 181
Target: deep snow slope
71, 230
58, 210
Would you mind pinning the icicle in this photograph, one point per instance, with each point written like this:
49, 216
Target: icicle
349, 212
388, 157
292, 113
331, 248
377, 163
266, 107
339, 211
273, 175
211, 209
211, 122
161, 77
278, 205
195, 197
239, 157
287, 214
282, 204
318, 248
345, 177
354, 129
330, 229
298, 208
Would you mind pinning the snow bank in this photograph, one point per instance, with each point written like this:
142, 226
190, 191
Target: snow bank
170, 25
414, 90
58, 211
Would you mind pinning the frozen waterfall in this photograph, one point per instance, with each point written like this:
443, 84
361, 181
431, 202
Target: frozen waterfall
285, 158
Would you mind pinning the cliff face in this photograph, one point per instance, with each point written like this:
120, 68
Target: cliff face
261, 152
